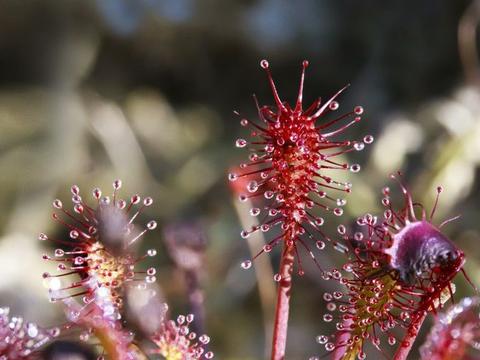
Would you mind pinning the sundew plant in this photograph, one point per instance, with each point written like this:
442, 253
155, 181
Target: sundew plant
152, 208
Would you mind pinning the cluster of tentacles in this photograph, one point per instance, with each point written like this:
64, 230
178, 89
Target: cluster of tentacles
291, 153
399, 269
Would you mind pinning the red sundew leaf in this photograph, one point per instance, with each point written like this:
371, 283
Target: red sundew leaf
292, 152
98, 250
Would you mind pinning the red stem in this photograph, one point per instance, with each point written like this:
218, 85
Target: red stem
280, 326
409, 339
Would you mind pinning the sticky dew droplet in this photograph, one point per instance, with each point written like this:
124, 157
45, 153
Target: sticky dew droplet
247, 264
240, 143
358, 110
334, 105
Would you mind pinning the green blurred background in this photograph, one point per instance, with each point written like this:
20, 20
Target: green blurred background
144, 90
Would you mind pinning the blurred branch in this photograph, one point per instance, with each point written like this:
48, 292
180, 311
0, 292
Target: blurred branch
263, 270
467, 42
113, 131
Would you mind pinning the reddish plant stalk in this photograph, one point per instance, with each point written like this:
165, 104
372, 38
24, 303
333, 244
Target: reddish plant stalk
280, 326
409, 339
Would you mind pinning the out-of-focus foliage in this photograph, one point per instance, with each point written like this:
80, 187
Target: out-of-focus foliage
143, 90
